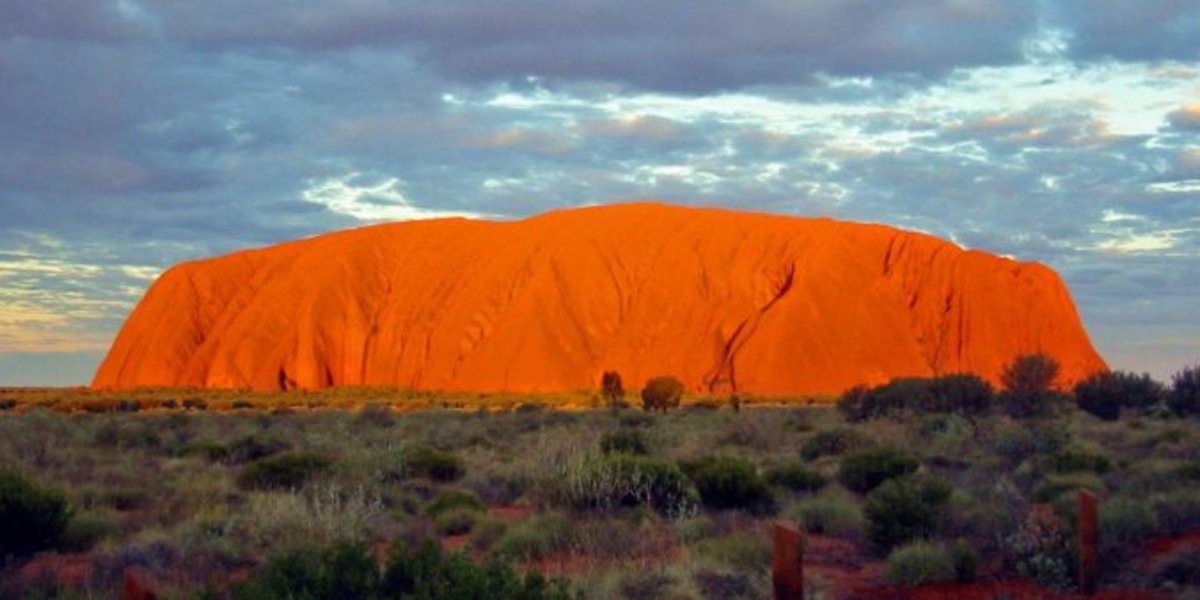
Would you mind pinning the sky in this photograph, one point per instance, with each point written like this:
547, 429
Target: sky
136, 134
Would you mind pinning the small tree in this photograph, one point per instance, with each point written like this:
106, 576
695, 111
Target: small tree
1185, 392
612, 388
1028, 384
662, 393
1106, 394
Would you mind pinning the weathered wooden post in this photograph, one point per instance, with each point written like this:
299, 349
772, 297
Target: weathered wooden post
1089, 568
787, 563
137, 586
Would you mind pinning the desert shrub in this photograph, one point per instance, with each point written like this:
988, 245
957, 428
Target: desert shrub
745, 551
1028, 384
864, 471
1041, 549
962, 393
728, 482
452, 499
7, 404
832, 442
1053, 487
1178, 510
862, 403
1019, 443
540, 536
289, 470
1106, 394
905, 509
837, 517
455, 521
1184, 399
616, 480
344, 570
645, 584
86, 529
613, 389
718, 584
662, 393
1125, 523
430, 463
965, 559
636, 419
486, 532
1075, 459
245, 449
1181, 568
796, 476
242, 405
195, 404
128, 406
32, 517
628, 441
376, 416
920, 562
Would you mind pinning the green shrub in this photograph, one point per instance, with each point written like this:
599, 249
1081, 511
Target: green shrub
920, 562
542, 535
835, 517
32, 517
1028, 384
796, 476
430, 463
662, 393
1126, 522
864, 471
746, 551
1041, 549
905, 509
1106, 394
245, 449
455, 521
613, 389
1075, 459
344, 570
616, 480
961, 393
452, 499
486, 532
289, 470
86, 530
832, 442
1053, 487
729, 482
628, 441
1022, 442
966, 560
1184, 399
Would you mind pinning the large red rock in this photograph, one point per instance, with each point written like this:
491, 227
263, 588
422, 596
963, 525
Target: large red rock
724, 300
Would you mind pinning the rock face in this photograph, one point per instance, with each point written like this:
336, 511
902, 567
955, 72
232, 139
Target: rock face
723, 300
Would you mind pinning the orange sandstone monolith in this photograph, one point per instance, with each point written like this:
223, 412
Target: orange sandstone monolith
726, 301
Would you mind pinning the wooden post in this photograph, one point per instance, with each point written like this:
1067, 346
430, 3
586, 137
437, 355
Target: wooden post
137, 586
787, 564
1089, 568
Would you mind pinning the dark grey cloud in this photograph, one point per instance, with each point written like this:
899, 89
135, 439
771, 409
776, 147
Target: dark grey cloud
1129, 31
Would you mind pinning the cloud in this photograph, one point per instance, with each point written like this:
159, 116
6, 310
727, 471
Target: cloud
1186, 118
381, 201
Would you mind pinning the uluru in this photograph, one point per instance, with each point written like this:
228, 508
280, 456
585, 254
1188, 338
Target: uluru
724, 300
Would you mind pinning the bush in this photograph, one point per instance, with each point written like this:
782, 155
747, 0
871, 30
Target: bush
627, 441
344, 570
961, 393
1022, 442
920, 562
246, 449
727, 482
285, 471
832, 442
830, 516
539, 536
744, 551
662, 393
1055, 486
454, 499
455, 521
616, 480
1076, 459
32, 517
430, 463
1106, 394
86, 530
797, 477
1184, 399
1028, 384
1041, 549
195, 404
1181, 568
905, 509
966, 560
865, 471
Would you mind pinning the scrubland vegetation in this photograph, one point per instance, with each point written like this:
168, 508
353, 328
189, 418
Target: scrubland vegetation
916, 482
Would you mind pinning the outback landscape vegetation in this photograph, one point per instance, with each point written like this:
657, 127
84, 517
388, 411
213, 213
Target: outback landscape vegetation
938, 486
